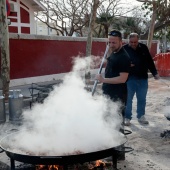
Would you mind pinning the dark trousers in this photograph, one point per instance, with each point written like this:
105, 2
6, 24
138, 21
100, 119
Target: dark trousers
121, 154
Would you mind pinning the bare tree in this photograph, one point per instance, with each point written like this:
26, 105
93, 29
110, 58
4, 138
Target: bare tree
134, 23
69, 16
108, 15
91, 27
89, 37
65, 16
153, 19
160, 16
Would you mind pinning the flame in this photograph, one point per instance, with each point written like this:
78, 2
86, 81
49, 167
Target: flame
96, 164
99, 163
89, 166
48, 167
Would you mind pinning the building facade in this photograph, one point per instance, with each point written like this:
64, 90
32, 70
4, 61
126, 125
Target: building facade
21, 16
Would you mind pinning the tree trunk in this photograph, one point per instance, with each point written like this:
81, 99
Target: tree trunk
89, 37
91, 26
4, 39
151, 29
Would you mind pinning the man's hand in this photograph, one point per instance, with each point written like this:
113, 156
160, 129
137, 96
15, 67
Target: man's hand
157, 77
99, 78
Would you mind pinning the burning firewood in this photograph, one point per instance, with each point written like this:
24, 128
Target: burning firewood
49, 167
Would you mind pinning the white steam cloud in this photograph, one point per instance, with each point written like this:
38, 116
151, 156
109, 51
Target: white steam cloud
71, 120
166, 111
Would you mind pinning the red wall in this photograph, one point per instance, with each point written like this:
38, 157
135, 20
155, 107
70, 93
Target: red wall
35, 57
31, 58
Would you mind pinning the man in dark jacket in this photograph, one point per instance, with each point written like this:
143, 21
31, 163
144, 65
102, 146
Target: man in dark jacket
141, 61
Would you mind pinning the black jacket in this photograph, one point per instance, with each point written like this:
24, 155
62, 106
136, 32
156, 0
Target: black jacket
142, 60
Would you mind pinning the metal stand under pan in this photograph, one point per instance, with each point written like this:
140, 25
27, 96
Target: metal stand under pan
65, 161
65, 166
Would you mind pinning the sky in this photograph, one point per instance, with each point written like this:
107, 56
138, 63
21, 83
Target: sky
133, 2
127, 5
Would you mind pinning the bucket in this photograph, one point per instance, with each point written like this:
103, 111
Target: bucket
15, 104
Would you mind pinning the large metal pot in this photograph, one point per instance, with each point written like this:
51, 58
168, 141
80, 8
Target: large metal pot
59, 160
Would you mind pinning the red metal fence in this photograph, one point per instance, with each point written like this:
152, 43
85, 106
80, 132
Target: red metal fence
162, 62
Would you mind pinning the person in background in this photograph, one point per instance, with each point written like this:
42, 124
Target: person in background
141, 61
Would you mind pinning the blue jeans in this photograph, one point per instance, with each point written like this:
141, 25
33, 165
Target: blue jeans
140, 87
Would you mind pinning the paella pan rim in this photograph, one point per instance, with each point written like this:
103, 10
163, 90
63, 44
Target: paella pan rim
60, 160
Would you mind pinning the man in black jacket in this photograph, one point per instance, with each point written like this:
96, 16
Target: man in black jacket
141, 61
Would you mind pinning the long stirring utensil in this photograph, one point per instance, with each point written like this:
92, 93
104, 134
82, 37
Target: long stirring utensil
100, 69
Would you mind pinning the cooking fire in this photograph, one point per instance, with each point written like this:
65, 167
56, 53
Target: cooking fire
49, 167
95, 165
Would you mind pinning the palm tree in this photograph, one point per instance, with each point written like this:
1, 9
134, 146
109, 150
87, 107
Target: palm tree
104, 21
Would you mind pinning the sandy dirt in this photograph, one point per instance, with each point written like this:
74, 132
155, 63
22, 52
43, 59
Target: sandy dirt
150, 150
